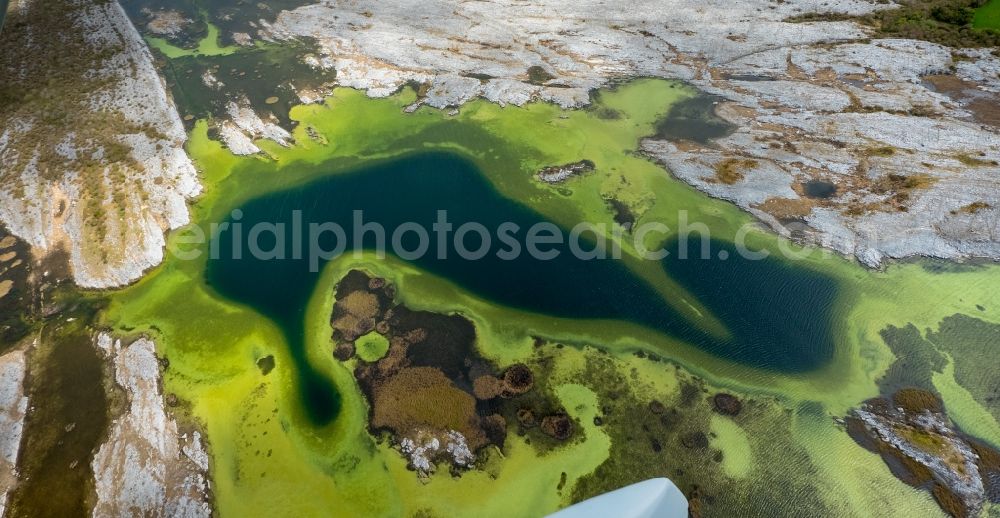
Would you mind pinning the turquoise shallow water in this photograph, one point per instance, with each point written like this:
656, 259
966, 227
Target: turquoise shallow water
777, 315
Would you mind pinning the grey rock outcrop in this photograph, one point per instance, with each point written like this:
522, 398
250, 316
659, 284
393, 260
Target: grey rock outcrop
147, 466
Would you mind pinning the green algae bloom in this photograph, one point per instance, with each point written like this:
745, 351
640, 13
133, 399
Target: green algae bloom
270, 455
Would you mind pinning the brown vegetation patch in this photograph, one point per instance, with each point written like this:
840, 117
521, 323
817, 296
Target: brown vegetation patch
949, 502
973, 208
557, 426
880, 151
487, 387
423, 397
984, 107
517, 380
896, 187
786, 209
731, 170
972, 161
344, 351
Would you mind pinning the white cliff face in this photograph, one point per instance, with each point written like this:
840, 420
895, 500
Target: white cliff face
156, 183
13, 407
822, 97
147, 467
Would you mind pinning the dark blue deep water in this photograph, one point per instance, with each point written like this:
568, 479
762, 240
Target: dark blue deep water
778, 315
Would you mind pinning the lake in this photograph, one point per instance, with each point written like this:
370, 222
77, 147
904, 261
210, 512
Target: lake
777, 315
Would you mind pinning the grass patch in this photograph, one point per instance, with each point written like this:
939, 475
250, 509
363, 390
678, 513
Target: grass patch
955, 23
972, 161
371, 347
988, 16
972, 208
881, 151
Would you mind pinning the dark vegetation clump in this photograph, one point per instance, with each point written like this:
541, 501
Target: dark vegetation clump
948, 22
266, 364
727, 404
557, 426
433, 380
621, 212
914, 400
916, 360
537, 75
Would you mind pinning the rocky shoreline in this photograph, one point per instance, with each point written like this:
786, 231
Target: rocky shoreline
914, 166
924, 449
915, 173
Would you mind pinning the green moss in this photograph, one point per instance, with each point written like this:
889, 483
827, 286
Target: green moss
988, 16
955, 23
371, 347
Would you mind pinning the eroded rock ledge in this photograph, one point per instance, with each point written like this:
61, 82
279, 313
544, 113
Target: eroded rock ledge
91, 144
